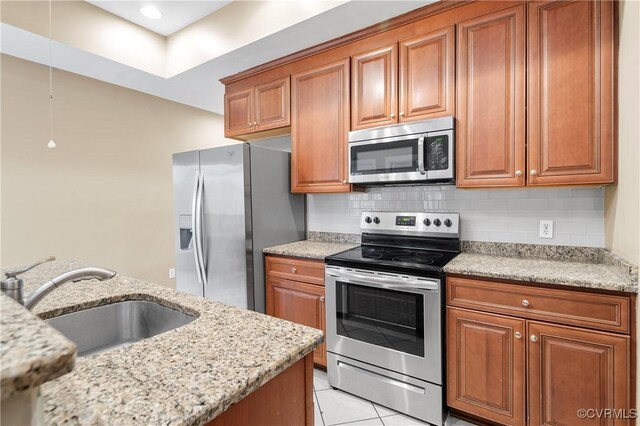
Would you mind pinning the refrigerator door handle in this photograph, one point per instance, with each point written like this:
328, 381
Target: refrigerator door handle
200, 238
194, 226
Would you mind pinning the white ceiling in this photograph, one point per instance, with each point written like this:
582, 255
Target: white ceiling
176, 14
199, 86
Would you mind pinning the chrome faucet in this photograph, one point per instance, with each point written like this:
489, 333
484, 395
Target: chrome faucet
13, 286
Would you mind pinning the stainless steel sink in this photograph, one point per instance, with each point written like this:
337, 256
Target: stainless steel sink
107, 327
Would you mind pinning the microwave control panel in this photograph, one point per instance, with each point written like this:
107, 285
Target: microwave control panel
437, 152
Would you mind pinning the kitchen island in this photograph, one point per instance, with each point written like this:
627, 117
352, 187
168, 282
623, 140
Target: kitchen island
189, 375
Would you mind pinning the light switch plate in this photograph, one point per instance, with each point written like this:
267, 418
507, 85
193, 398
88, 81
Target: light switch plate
172, 273
546, 229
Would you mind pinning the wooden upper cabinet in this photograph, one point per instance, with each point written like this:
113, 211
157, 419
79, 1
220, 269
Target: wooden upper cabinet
272, 105
572, 369
238, 112
485, 365
490, 129
319, 128
256, 109
570, 92
427, 76
374, 99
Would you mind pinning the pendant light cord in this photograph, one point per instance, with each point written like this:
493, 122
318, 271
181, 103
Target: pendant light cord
50, 78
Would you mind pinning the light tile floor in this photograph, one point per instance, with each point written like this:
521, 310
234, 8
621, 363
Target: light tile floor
334, 407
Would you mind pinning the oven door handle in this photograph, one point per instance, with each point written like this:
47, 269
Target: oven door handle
421, 168
391, 284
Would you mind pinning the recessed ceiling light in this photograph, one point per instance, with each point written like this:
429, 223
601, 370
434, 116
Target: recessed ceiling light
151, 12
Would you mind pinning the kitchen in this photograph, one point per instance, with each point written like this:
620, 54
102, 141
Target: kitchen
397, 185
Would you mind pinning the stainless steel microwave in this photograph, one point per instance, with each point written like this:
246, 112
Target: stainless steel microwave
409, 153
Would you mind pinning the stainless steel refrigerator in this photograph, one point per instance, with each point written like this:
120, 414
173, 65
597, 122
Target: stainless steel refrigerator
230, 203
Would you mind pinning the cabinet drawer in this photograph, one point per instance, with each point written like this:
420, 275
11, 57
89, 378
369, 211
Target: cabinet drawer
598, 311
311, 271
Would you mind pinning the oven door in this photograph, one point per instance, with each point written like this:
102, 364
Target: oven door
388, 320
387, 160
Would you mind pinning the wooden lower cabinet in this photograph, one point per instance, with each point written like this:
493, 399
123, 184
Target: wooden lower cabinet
298, 302
485, 365
287, 399
515, 370
572, 369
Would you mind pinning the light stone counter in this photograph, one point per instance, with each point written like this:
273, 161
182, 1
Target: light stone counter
185, 376
568, 266
309, 249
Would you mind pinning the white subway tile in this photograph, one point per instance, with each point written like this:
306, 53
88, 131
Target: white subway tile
489, 204
507, 193
587, 192
487, 215
507, 237
571, 204
549, 193
594, 227
566, 226
528, 204
471, 194
587, 240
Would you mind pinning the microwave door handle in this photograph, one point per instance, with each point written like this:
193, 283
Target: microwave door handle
421, 156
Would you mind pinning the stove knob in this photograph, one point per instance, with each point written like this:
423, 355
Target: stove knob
427, 222
448, 222
367, 219
437, 222
376, 220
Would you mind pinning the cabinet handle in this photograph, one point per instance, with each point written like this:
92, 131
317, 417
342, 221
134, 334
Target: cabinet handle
401, 114
294, 270
534, 338
525, 303
518, 173
392, 115
322, 299
344, 181
534, 172
518, 335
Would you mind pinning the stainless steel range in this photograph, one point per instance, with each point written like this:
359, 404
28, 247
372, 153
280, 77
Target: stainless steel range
384, 311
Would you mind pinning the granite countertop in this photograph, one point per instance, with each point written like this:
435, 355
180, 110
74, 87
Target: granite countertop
188, 375
310, 249
567, 266
30, 352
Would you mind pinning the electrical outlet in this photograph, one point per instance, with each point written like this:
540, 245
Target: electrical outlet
546, 229
172, 273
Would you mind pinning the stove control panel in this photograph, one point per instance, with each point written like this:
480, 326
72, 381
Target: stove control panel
419, 223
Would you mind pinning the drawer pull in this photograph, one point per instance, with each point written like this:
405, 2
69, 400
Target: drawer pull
518, 335
322, 299
534, 338
525, 303
294, 270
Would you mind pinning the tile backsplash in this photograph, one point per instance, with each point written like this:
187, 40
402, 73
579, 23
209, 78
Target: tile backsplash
500, 215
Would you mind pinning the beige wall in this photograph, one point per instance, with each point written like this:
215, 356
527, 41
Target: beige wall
104, 195
622, 201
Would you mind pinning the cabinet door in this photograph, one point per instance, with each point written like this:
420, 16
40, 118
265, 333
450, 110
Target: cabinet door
272, 105
570, 92
374, 100
485, 365
427, 80
319, 127
572, 369
491, 100
238, 113
300, 303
